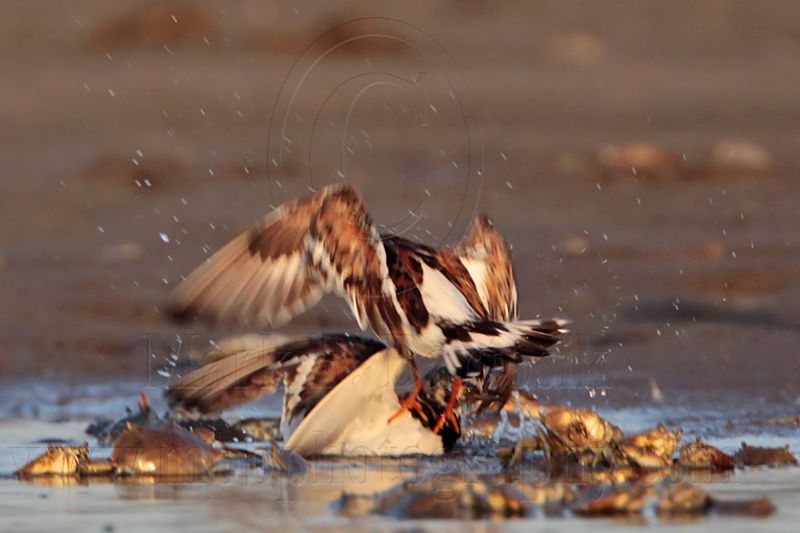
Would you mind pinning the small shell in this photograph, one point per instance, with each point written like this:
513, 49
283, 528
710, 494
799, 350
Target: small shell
700, 455
759, 508
758, 456
651, 449
57, 460
552, 497
450, 497
262, 429
612, 476
166, 450
625, 500
98, 468
511, 455
683, 498
580, 433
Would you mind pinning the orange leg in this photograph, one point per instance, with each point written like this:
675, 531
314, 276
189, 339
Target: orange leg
411, 401
448, 413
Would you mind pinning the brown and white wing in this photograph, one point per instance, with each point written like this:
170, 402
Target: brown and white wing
266, 276
487, 257
259, 278
345, 249
329, 359
233, 380
308, 367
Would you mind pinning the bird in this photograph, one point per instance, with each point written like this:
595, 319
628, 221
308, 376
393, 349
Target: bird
339, 391
457, 303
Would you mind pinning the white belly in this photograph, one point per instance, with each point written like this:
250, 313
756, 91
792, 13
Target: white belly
444, 303
428, 342
478, 272
369, 433
352, 419
443, 299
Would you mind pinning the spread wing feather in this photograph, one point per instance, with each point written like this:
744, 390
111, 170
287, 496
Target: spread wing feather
308, 367
487, 257
284, 264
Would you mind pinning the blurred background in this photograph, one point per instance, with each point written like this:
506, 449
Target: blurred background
641, 157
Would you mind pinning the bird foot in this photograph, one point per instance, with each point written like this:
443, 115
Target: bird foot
448, 413
411, 402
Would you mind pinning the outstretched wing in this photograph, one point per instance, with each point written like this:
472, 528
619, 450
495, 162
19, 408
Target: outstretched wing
487, 257
345, 249
309, 368
283, 265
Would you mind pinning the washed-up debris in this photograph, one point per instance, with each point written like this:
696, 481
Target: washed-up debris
785, 421
758, 456
618, 475
443, 497
511, 419
580, 435
651, 449
682, 499
246, 430
107, 431
584, 438
628, 499
552, 498
167, 450
219, 428
61, 461
57, 460
259, 429
509, 456
581, 438
699, 455
758, 508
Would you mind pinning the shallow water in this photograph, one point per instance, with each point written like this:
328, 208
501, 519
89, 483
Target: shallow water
268, 501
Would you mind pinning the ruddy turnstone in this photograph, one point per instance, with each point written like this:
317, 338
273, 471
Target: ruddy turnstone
339, 392
457, 302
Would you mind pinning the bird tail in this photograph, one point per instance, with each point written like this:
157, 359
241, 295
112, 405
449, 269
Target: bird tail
473, 346
247, 375
235, 379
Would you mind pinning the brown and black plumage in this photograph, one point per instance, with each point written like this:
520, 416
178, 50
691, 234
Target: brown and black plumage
458, 303
308, 367
312, 370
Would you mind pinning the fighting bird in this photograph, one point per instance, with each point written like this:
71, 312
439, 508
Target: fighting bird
457, 303
339, 392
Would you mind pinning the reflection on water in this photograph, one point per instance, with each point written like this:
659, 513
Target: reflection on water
253, 498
